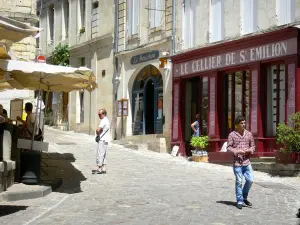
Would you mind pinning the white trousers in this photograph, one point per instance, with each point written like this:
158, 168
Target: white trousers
101, 153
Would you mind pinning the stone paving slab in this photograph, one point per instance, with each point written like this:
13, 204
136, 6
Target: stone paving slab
21, 192
143, 187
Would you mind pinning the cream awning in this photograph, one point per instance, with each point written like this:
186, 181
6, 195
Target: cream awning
15, 31
35, 76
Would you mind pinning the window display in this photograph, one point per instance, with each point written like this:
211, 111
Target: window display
275, 98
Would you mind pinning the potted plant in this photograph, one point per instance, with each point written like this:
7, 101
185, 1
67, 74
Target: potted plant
200, 143
289, 138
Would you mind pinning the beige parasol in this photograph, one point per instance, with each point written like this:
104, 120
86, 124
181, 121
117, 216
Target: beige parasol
35, 76
15, 31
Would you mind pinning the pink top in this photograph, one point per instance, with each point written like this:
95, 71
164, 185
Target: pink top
238, 142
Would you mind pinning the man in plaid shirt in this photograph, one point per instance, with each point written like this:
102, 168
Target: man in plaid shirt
241, 144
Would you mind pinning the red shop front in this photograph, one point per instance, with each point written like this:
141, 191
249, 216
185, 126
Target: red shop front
256, 76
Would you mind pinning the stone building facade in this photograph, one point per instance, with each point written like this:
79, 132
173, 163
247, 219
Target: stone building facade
87, 27
23, 11
144, 36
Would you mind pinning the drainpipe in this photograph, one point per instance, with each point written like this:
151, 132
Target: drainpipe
173, 27
116, 64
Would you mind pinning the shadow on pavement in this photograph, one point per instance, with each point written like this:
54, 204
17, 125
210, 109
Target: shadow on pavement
230, 203
58, 171
10, 209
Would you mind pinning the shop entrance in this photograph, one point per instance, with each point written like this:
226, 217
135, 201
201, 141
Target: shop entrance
236, 100
196, 102
149, 112
147, 102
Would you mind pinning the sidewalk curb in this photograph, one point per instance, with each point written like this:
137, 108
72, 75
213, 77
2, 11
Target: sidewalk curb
23, 194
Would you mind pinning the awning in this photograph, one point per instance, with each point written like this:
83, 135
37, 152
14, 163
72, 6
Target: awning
15, 31
35, 76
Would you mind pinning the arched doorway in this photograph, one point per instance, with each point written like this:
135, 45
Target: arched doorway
147, 102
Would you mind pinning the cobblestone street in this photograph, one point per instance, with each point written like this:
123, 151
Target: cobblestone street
143, 187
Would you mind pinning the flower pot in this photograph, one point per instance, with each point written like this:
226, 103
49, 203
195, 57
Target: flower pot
200, 155
287, 157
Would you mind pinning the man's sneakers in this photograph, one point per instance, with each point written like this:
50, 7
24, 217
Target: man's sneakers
240, 205
247, 203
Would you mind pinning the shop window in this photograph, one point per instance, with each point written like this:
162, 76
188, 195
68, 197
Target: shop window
156, 13
216, 27
196, 102
275, 98
189, 20
133, 17
236, 100
285, 11
248, 16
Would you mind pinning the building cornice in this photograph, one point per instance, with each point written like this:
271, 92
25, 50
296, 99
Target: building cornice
92, 41
145, 47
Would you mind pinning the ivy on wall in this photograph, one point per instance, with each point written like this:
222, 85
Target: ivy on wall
61, 55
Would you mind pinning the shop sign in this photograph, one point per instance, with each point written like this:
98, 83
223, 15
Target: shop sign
242, 56
144, 57
291, 101
212, 107
254, 101
176, 112
122, 107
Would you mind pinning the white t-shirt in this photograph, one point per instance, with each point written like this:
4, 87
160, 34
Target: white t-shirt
105, 135
30, 122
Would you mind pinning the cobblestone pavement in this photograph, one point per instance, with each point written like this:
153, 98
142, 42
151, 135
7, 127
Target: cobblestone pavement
143, 187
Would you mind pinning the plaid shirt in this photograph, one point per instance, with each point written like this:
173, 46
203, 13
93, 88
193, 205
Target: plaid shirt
237, 142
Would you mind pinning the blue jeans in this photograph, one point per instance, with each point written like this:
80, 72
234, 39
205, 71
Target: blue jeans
239, 172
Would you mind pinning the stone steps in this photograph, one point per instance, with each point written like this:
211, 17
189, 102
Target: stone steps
263, 159
155, 142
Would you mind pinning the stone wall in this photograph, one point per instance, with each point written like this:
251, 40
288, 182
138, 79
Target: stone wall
23, 11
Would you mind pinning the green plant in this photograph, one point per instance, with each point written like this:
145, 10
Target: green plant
61, 55
202, 142
48, 112
82, 30
289, 136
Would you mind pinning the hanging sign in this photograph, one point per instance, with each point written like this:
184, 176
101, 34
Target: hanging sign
144, 57
125, 107
122, 107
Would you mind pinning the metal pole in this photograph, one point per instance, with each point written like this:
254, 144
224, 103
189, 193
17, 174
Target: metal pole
46, 104
174, 27
34, 127
90, 113
122, 125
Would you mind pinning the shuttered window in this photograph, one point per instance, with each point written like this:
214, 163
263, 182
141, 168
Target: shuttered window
285, 11
248, 16
189, 21
133, 17
216, 20
156, 13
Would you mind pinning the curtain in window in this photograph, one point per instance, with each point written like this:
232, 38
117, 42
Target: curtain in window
156, 13
285, 11
189, 27
133, 16
249, 16
216, 21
